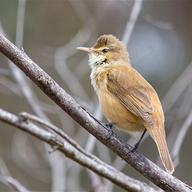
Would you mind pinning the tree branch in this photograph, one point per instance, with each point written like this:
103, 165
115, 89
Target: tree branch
69, 105
59, 140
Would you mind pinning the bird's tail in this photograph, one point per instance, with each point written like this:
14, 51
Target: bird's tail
160, 139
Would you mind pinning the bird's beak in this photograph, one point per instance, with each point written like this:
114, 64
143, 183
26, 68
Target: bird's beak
85, 49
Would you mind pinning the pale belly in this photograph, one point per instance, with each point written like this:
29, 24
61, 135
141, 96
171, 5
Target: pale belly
116, 113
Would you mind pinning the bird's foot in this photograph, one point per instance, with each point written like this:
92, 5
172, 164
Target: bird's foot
135, 147
109, 125
110, 128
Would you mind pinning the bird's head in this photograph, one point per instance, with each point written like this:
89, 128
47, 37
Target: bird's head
107, 50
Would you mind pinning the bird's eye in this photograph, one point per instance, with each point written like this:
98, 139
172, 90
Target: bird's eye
105, 50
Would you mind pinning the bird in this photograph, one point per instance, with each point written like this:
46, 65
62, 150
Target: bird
127, 100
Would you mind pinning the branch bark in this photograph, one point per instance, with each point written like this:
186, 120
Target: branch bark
86, 120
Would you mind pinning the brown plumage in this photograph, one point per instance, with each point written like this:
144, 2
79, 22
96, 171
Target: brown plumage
126, 98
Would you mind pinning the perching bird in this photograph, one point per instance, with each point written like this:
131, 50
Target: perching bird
126, 98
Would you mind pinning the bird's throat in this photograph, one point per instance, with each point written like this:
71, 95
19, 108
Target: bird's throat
96, 60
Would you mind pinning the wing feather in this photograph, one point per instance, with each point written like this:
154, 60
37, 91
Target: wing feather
134, 97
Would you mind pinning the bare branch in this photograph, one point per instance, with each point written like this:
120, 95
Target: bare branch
74, 151
13, 184
68, 104
131, 22
51, 127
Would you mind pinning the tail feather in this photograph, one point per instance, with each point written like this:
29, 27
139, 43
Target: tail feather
165, 156
160, 140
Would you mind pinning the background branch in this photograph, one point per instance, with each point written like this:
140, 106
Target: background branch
8, 180
56, 161
58, 140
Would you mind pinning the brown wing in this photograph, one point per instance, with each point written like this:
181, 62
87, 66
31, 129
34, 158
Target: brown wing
131, 94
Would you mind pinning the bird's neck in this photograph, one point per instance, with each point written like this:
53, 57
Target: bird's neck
96, 60
99, 73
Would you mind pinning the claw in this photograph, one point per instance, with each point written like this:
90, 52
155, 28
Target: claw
109, 125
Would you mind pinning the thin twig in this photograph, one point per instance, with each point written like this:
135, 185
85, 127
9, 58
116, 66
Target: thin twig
51, 127
177, 88
61, 56
8, 180
20, 22
132, 21
180, 138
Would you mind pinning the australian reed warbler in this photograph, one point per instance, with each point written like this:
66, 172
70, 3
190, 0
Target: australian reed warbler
126, 98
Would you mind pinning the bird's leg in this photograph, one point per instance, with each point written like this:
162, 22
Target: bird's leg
109, 125
138, 142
